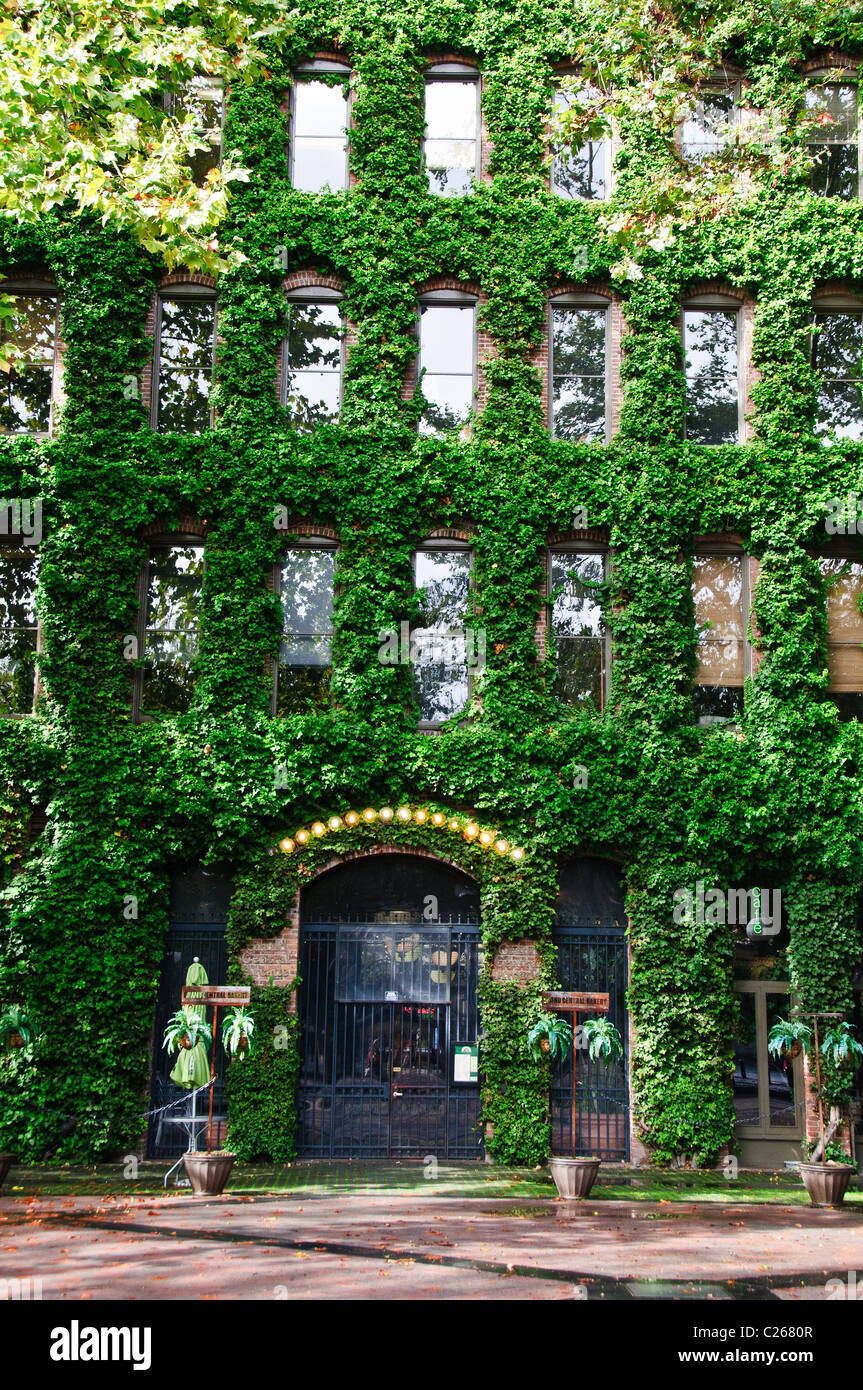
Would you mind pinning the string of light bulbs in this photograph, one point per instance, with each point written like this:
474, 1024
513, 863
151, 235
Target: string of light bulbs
404, 815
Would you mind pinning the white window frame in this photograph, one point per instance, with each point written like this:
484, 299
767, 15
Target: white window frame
454, 72
295, 542
461, 547
583, 548
457, 299
607, 143
580, 301
303, 71
826, 302
181, 291
840, 77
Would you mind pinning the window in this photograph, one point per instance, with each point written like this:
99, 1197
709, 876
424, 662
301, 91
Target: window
581, 173
204, 99
843, 582
711, 331
168, 640
19, 569
766, 1089
452, 128
442, 652
306, 579
185, 353
447, 359
835, 142
580, 635
578, 395
720, 592
319, 127
312, 359
26, 393
708, 124
837, 356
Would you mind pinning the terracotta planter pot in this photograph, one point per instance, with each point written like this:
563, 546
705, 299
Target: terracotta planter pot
15, 1040
185, 1041
794, 1050
544, 1045
6, 1161
208, 1173
826, 1183
574, 1177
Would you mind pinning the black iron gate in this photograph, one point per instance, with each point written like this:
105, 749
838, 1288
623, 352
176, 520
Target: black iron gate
592, 956
199, 910
388, 1008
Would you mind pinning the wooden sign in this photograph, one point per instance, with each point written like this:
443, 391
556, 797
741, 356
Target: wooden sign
216, 994
568, 1000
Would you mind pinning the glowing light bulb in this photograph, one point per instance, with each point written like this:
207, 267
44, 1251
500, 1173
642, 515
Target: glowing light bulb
471, 831
501, 846
369, 814
485, 837
404, 813
421, 816
318, 828
287, 846
516, 854
454, 824
386, 813
351, 818
335, 822
438, 818
302, 836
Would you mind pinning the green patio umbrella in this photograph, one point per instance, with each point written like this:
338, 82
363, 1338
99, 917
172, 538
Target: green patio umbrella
192, 1068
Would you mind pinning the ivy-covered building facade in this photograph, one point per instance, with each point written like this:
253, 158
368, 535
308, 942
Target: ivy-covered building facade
434, 612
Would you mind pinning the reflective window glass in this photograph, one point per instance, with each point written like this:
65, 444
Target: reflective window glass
707, 125
843, 582
307, 583
187, 333
451, 128
313, 364
319, 158
712, 380
578, 353
25, 393
578, 627
174, 577
834, 143
837, 356
583, 172
717, 588
19, 571
446, 357
439, 646
204, 99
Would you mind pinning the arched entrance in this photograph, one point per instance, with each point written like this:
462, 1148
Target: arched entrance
589, 933
389, 959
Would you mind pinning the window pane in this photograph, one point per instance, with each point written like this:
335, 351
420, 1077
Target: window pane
440, 666
450, 147
186, 364
836, 104
578, 341
305, 652
313, 354
449, 401
25, 394
578, 408
319, 164
175, 575
18, 575
578, 173
844, 585
782, 1110
320, 109
838, 344
712, 391
707, 127
839, 409
834, 144
717, 585
446, 338
834, 173
577, 626
203, 98
746, 1109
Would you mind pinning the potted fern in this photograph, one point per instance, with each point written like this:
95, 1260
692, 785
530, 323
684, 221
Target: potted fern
237, 1031
185, 1028
550, 1036
827, 1173
16, 1028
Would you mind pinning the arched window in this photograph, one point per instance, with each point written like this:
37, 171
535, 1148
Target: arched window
170, 598
578, 376
319, 119
28, 393
836, 354
712, 336
444, 655
447, 358
306, 586
584, 172
185, 358
451, 147
313, 357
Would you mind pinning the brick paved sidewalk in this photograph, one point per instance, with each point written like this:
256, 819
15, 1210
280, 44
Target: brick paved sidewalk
412, 1244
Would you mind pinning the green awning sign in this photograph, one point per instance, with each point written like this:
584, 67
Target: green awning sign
466, 1062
